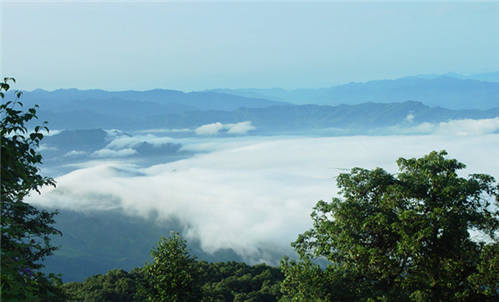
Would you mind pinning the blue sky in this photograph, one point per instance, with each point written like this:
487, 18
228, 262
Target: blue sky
203, 45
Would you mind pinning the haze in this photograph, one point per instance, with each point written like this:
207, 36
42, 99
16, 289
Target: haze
205, 45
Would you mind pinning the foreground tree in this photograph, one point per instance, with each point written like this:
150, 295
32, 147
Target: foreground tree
26, 230
172, 276
401, 237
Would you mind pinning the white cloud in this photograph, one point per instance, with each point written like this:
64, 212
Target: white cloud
215, 128
468, 127
410, 117
75, 153
451, 128
126, 141
240, 128
251, 194
114, 132
45, 147
209, 129
51, 132
114, 153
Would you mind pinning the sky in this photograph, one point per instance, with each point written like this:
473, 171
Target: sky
202, 45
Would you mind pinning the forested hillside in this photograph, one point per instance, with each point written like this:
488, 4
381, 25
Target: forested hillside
179, 277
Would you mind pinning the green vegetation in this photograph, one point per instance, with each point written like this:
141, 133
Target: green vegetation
403, 237
115, 285
174, 275
26, 230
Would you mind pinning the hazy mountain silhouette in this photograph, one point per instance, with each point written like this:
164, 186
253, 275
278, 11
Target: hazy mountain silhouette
137, 102
444, 91
282, 118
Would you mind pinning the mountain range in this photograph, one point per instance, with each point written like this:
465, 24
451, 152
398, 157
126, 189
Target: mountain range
374, 103
267, 120
442, 91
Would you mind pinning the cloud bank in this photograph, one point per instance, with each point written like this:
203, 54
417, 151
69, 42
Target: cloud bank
462, 127
250, 195
216, 128
128, 141
468, 127
75, 153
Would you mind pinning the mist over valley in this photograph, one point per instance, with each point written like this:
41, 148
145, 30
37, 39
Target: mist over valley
239, 184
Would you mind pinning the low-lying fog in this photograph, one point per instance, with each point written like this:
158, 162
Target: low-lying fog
251, 194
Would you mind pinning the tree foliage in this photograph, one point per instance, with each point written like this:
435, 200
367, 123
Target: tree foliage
26, 230
175, 276
236, 281
115, 285
172, 274
401, 237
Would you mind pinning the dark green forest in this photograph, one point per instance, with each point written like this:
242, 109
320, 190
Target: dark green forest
385, 237
173, 275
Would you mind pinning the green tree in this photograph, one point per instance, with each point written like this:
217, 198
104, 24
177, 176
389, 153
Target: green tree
26, 230
236, 281
401, 237
172, 276
114, 286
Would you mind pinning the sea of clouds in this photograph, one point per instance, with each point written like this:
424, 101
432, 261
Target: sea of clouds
251, 196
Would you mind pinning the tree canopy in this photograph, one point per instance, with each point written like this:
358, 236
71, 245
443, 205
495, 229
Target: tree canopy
172, 276
26, 230
401, 237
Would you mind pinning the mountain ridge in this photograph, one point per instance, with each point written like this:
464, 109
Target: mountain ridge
443, 91
272, 118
